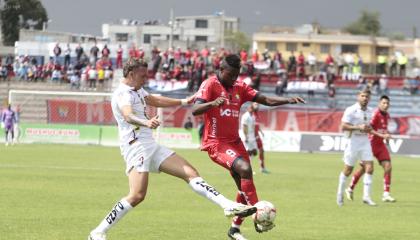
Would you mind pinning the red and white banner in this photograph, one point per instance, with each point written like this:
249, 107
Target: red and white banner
65, 111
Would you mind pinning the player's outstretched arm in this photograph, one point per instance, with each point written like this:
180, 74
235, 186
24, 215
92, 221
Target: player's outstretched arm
276, 101
161, 101
202, 107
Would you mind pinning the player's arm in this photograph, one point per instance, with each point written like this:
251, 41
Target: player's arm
276, 101
161, 101
345, 126
385, 136
201, 106
130, 117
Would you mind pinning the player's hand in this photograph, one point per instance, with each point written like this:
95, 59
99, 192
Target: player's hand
153, 123
191, 99
294, 100
219, 101
387, 136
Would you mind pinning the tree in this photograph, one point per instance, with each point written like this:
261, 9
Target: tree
237, 40
17, 14
367, 24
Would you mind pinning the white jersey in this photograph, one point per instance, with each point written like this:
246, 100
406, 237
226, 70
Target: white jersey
356, 116
248, 120
125, 95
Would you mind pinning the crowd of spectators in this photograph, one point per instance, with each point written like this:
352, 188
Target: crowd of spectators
93, 69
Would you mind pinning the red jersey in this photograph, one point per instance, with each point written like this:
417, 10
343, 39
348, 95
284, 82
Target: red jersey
379, 123
221, 124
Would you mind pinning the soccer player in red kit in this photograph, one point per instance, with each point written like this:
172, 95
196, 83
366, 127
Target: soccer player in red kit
220, 98
379, 123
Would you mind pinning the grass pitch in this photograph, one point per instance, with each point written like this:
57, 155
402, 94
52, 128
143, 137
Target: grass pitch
59, 192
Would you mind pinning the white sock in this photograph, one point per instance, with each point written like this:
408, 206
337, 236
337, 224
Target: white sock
201, 187
367, 181
118, 211
341, 183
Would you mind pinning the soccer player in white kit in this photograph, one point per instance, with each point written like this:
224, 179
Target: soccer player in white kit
248, 121
143, 155
356, 125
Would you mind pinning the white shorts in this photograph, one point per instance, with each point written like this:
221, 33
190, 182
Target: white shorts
145, 157
251, 145
357, 150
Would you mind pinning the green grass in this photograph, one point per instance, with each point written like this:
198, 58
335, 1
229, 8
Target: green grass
50, 192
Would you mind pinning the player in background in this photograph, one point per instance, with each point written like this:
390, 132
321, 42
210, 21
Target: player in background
379, 123
8, 120
248, 124
143, 155
220, 98
356, 127
258, 136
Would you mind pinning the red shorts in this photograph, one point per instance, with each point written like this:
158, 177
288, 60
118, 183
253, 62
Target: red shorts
225, 154
380, 152
259, 143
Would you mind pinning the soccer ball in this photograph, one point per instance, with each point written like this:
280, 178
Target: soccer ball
266, 213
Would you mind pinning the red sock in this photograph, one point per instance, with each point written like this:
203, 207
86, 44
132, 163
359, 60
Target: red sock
240, 198
355, 179
248, 187
262, 165
387, 182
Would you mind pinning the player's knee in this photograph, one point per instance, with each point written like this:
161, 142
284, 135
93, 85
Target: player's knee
245, 171
136, 199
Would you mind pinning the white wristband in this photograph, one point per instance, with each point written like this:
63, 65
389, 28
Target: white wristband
184, 102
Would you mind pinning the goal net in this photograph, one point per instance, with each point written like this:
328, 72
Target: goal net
67, 117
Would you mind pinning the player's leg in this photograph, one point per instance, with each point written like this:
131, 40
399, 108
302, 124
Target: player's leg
6, 136
177, 166
367, 181
234, 231
349, 158
138, 182
387, 166
354, 180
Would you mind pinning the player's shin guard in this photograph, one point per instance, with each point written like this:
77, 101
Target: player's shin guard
248, 188
118, 211
387, 182
367, 181
201, 187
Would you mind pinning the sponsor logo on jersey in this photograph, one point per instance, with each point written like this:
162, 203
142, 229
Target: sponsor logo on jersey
229, 113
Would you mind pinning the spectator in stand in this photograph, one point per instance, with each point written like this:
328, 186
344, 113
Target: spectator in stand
92, 75
393, 66
57, 52
244, 56
94, 54
101, 78
75, 81
300, 66
383, 85
56, 75
329, 61
382, 62
291, 67
331, 96
79, 52
140, 53
178, 55
402, 63
255, 56
312, 63
171, 59
340, 64
157, 62
67, 53
205, 55
119, 57
188, 55
105, 52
